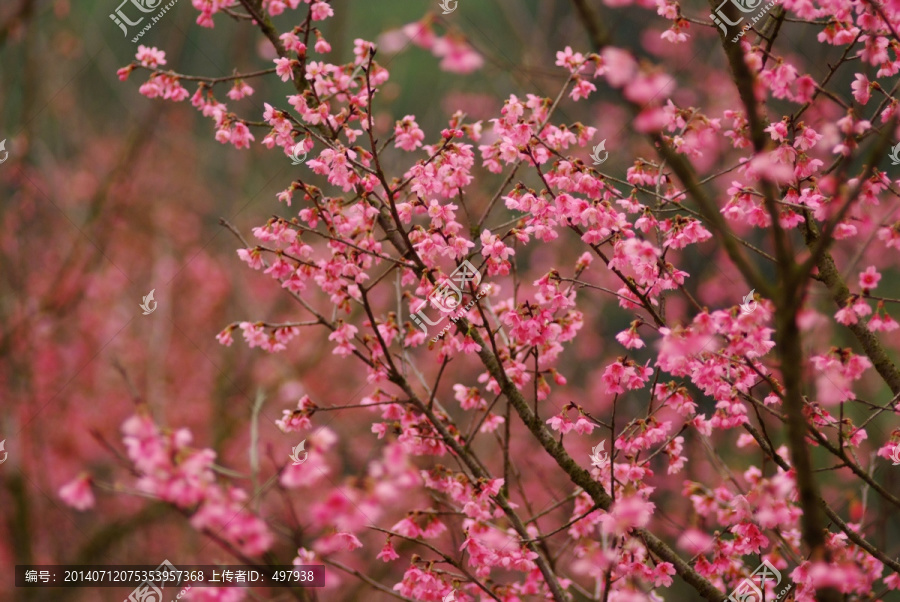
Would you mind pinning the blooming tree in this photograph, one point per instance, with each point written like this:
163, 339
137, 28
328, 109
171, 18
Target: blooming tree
738, 235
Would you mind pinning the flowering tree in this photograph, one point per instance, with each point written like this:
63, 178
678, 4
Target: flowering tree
466, 274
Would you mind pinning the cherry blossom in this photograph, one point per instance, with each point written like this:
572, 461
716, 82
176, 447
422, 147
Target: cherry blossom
452, 422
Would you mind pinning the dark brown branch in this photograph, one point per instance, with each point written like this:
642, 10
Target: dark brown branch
832, 515
840, 293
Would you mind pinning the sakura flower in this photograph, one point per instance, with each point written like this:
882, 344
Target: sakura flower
408, 135
321, 11
456, 55
387, 553
284, 67
618, 66
869, 279
626, 513
491, 423
882, 324
322, 46
569, 59
407, 527
150, 56
225, 337
343, 336
583, 426
560, 423
296, 420
240, 90
77, 493
497, 253
241, 136
835, 372
582, 89
861, 89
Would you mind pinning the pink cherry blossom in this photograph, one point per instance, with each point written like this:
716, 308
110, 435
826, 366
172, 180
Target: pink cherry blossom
78, 494
661, 233
869, 278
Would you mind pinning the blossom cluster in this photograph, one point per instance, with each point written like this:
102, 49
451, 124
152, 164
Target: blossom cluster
383, 217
